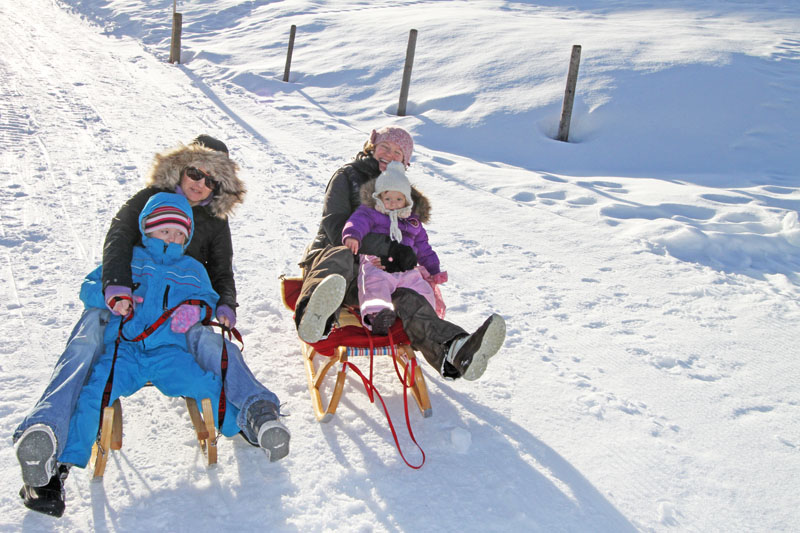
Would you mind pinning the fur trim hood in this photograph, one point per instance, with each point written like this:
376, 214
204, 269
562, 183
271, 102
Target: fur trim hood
421, 208
166, 174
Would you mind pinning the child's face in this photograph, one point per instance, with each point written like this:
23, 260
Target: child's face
393, 200
168, 235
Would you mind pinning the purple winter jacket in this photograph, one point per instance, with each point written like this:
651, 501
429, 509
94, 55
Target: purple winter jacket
367, 219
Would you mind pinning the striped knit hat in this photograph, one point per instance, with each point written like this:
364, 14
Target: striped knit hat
168, 216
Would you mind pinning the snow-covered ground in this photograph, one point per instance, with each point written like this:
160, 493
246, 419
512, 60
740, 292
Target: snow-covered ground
649, 270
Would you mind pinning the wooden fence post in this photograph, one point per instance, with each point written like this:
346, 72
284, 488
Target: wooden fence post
569, 94
289, 53
412, 44
175, 47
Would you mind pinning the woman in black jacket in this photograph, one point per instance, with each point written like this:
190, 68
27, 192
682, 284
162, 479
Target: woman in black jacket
213, 190
206, 176
330, 271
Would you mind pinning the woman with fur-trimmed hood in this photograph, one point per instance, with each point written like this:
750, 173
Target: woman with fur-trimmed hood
203, 173
206, 176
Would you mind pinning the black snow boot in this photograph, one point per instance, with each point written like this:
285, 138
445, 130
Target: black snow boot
49, 499
470, 354
382, 322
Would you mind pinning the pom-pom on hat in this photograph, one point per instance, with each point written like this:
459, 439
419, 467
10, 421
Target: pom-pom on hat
168, 216
397, 135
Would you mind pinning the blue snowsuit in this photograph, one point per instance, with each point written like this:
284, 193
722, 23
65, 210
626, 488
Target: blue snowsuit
164, 278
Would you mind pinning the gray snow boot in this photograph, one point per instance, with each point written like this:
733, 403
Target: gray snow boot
324, 301
36, 453
273, 437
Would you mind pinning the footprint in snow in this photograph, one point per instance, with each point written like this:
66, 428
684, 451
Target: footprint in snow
461, 439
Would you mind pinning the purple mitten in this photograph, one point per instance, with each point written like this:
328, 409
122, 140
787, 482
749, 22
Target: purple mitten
184, 318
115, 291
223, 311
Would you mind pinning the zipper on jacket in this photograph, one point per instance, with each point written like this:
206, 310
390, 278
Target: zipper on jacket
166, 298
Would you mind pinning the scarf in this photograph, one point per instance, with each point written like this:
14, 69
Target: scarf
404, 212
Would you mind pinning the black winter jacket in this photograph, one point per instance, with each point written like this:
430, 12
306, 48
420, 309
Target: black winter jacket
211, 242
342, 197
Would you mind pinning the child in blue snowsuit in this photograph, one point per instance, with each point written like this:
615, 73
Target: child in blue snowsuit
163, 278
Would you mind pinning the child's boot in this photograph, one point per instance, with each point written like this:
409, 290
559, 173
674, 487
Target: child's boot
470, 354
382, 321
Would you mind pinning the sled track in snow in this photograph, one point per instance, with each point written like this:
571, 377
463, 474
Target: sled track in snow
46, 188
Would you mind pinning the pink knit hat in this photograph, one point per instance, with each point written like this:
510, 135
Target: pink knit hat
397, 135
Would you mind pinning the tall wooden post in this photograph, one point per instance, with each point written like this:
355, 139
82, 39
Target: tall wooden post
289, 53
412, 44
175, 47
569, 94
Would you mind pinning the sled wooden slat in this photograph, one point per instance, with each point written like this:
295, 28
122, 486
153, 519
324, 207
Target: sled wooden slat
317, 376
101, 449
111, 433
116, 431
211, 434
418, 389
318, 366
197, 421
317, 373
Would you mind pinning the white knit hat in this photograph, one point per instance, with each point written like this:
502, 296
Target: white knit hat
394, 179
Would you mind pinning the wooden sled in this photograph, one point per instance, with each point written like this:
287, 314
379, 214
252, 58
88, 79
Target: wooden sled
111, 433
321, 357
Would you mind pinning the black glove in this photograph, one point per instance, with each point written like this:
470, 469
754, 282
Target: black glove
400, 258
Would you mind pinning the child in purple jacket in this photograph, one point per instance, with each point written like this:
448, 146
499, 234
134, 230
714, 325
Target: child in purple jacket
411, 262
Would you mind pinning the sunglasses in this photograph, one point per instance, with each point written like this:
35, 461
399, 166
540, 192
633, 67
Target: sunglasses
196, 174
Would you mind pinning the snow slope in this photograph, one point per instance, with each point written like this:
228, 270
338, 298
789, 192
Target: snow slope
648, 270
